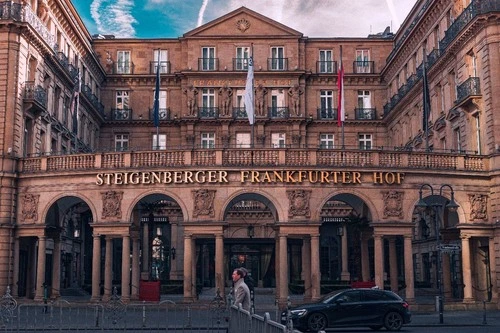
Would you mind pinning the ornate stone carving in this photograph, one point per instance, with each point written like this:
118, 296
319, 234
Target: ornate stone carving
299, 203
478, 204
242, 25
29, 207
203, 202
111, 204
393, 203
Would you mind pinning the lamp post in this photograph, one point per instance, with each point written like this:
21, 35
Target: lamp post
438, 209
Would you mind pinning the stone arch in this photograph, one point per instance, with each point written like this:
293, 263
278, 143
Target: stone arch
349, 197
140, 196
80, 196
265, 198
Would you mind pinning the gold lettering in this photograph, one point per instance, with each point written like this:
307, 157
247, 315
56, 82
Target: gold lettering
125, 178
346, 177
390, 178
324, 177
222, 177
145, 178
244, 176
289, 177
134, 178
155, 177
377, 178
267, 178
401, 176
255, 177
356, 177
335, 176
118, 178
212, 176
99, 180
188, 177
302, 175
278, 176
167, 177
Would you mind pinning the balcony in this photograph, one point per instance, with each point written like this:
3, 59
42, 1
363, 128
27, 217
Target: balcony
87, 92
164, 67
35, 95
363, 67
327, 113
277, 64
240, 113
208, 64
365, 113
121, 114
123, 67
467, 91
326, 67
208, 112
163, 113
240, 64
278, 112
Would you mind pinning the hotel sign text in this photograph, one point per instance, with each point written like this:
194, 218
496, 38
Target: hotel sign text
250, 176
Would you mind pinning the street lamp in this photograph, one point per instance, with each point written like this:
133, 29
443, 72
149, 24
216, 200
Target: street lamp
438, 208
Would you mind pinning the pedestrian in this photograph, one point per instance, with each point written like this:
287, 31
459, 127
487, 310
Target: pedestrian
251, 286
241, 291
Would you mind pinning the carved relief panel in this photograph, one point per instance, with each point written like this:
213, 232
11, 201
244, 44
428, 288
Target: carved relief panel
203, 202
111, 204
29, 203
299, 203
393, 203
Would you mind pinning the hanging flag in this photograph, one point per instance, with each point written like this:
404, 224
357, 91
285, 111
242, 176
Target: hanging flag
156, 105
340, 86
426, 99
249, 98
75, 104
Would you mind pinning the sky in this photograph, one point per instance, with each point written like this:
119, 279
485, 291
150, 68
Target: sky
173, 18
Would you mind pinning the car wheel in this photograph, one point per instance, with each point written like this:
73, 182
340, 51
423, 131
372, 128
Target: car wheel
393, 321
316, 322
376, 327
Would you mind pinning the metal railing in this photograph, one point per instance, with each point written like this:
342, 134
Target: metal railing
208, 64
363, 67
243, 321
365, 114
470, 88
326, 67
277, 64
35, 93
121, 114
208, 112
281, 112
164, 67
327, 113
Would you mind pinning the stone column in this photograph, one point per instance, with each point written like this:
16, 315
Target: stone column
56, 269
193, 268
393, 264
283, 276
188, 266
135, 269
445, 262
108, 269
126, 269
40, 268
379, 261
466, 268
15, 269
345, 275
175, 272
316, 275
96, 269
219, 265
409, 278
306, 271
145, 252
365, 259
493, 268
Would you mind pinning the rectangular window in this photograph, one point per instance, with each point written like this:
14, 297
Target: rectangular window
207, 140
208, 58
123, 64
457, 140
122, 100
365, 141
242, 55
163, 59
159, 142
327, 141
278, 58
364, 99
363, 61
278, 140
121, 142
162, 104
243, 140
325, 61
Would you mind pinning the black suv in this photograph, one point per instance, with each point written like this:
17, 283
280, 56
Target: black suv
371, 308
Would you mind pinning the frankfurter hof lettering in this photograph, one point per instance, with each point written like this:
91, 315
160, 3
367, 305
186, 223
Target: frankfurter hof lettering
250, 176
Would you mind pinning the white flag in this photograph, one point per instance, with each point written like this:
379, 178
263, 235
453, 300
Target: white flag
249, 103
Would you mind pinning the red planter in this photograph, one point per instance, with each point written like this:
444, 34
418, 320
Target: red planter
149, 291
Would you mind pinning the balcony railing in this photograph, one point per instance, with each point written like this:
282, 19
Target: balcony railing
283, 157
469, 89
277, 64
365, 113
164, 67
208, 64
163, 113
35, 93
34, 21
121, 114
278, 112
326, 67
123, 67
240, 113
92, 98
240, 64
208, 112
363, 67
327, 113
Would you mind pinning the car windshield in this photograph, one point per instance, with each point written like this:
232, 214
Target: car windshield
328, 298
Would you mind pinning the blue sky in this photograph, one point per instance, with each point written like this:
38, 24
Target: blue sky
173, 18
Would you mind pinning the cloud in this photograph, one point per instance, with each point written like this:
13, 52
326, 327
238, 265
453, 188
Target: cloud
114, 17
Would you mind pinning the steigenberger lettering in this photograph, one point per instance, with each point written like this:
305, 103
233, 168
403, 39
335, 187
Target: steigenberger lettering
249, 176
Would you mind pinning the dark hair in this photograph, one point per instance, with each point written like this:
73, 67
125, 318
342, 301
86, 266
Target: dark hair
239, 272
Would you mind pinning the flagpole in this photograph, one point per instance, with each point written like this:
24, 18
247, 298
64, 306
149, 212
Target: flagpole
426, 100
156, 107
249, 96
253, 101
340, 106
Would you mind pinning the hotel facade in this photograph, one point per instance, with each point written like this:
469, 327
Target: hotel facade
95, 196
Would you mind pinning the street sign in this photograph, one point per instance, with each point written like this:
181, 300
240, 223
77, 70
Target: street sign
450, 248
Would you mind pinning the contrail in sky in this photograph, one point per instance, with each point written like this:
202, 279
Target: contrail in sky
202, 12
394, 15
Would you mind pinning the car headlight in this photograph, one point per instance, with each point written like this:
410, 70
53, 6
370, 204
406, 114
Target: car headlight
298, 313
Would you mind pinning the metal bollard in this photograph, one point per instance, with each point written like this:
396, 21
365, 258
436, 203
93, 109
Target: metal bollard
484, 313
143, 314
